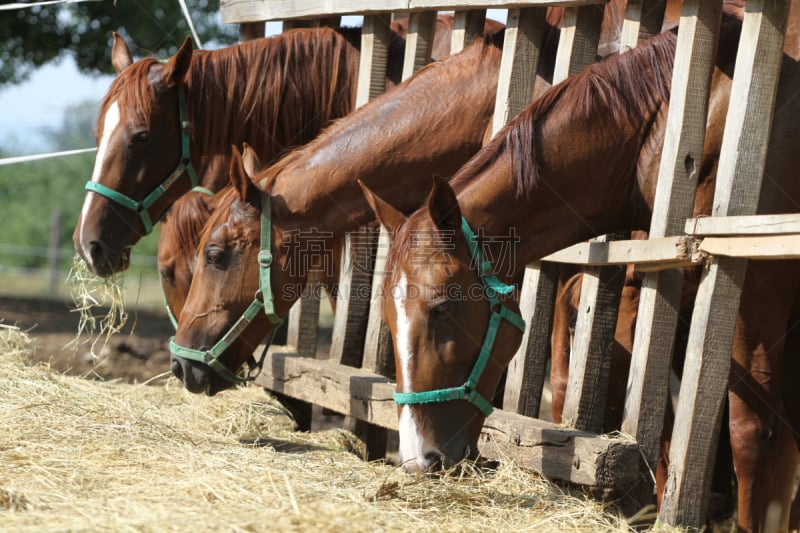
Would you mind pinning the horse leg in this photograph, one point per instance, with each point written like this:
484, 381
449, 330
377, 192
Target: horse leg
758, 429
561, 338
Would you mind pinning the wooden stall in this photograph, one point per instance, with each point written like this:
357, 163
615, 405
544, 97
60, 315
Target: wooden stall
355, 379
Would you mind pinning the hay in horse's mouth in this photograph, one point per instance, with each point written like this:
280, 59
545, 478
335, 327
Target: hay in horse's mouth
90, 294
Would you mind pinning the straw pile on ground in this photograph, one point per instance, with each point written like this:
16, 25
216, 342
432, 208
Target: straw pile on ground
85, 455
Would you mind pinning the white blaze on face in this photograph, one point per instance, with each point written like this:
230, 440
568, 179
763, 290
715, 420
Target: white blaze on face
110, 124
413, 445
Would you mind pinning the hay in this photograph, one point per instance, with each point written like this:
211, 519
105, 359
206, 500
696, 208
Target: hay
99, 303
82, 455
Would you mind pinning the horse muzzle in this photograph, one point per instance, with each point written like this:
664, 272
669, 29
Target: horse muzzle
196, 377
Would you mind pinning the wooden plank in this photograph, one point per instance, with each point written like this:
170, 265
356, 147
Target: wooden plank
590, 357
744, 225
375, 37
467, 25
659, 299
419, 42
378, 353
670, 250
557, 452
521, 48
526, 372
302, 327
352, 309
708, 358
240, 11
761, 247
643, 19
577, 45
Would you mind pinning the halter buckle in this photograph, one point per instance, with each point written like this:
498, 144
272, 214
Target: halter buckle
265, 258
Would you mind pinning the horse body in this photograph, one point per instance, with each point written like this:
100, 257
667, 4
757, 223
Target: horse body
557, 144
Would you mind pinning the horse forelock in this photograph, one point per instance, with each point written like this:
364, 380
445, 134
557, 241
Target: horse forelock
275, 93
189, 216
131, 90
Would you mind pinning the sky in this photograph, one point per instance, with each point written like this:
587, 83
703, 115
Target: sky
40, 102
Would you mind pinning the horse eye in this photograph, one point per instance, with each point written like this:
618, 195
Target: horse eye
140, 137
440, 308
214, 256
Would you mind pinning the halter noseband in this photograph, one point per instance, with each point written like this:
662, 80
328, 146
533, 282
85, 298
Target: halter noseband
184, 166
493, 288
262, 301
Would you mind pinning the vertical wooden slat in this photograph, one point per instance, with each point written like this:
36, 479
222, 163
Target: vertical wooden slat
375, 36
590, 358
577, 45
643, 19
467, 25
378, 354
521, 48
526, 372
659, 301
708, 359
251, 30
419, 41
303, 322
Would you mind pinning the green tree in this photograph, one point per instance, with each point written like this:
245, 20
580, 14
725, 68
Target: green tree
34, 36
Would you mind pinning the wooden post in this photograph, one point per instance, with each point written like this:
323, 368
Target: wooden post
467, 25
302, 327
526, 372
577, 46
659, 300
708, 357
419, 41
643, 19
521, 48
590, 359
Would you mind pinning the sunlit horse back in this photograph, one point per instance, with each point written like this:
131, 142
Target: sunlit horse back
160, 124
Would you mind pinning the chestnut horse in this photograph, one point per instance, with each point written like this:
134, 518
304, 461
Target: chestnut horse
606, 123
161, 124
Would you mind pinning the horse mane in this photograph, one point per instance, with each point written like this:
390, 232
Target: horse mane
276, 92
624, 88
188, 216
132, 90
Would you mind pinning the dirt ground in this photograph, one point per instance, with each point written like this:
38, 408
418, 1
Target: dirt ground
137, 354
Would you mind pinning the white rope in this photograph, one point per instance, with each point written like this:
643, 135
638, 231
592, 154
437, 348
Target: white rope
36, 157
8, 7
189, 22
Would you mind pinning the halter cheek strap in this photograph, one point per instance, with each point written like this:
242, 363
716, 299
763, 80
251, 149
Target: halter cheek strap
141, 208
263, 301
493, 288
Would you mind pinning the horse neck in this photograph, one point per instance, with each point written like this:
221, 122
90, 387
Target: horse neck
394, 144
269, 93
579, 180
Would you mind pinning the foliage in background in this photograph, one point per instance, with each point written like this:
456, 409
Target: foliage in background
32, 37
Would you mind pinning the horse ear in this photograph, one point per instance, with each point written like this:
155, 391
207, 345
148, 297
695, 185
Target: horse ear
252, 164
389, 217
443, 205
240, 180
178, 65
121, 56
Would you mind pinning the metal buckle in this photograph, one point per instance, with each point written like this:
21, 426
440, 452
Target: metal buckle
265, 258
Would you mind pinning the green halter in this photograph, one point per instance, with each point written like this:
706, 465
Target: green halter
184, 167
262, 301
493, 288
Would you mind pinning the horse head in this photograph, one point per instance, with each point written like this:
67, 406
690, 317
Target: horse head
453, 325
231, 306
142, 148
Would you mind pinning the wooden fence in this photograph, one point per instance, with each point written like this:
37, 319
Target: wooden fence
353, 380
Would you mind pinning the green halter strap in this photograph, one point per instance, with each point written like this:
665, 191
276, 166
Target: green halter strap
185, 166
493, 288
172, 318
263, 301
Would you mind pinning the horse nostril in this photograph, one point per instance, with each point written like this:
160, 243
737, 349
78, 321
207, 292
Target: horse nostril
97, 251
433, 460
